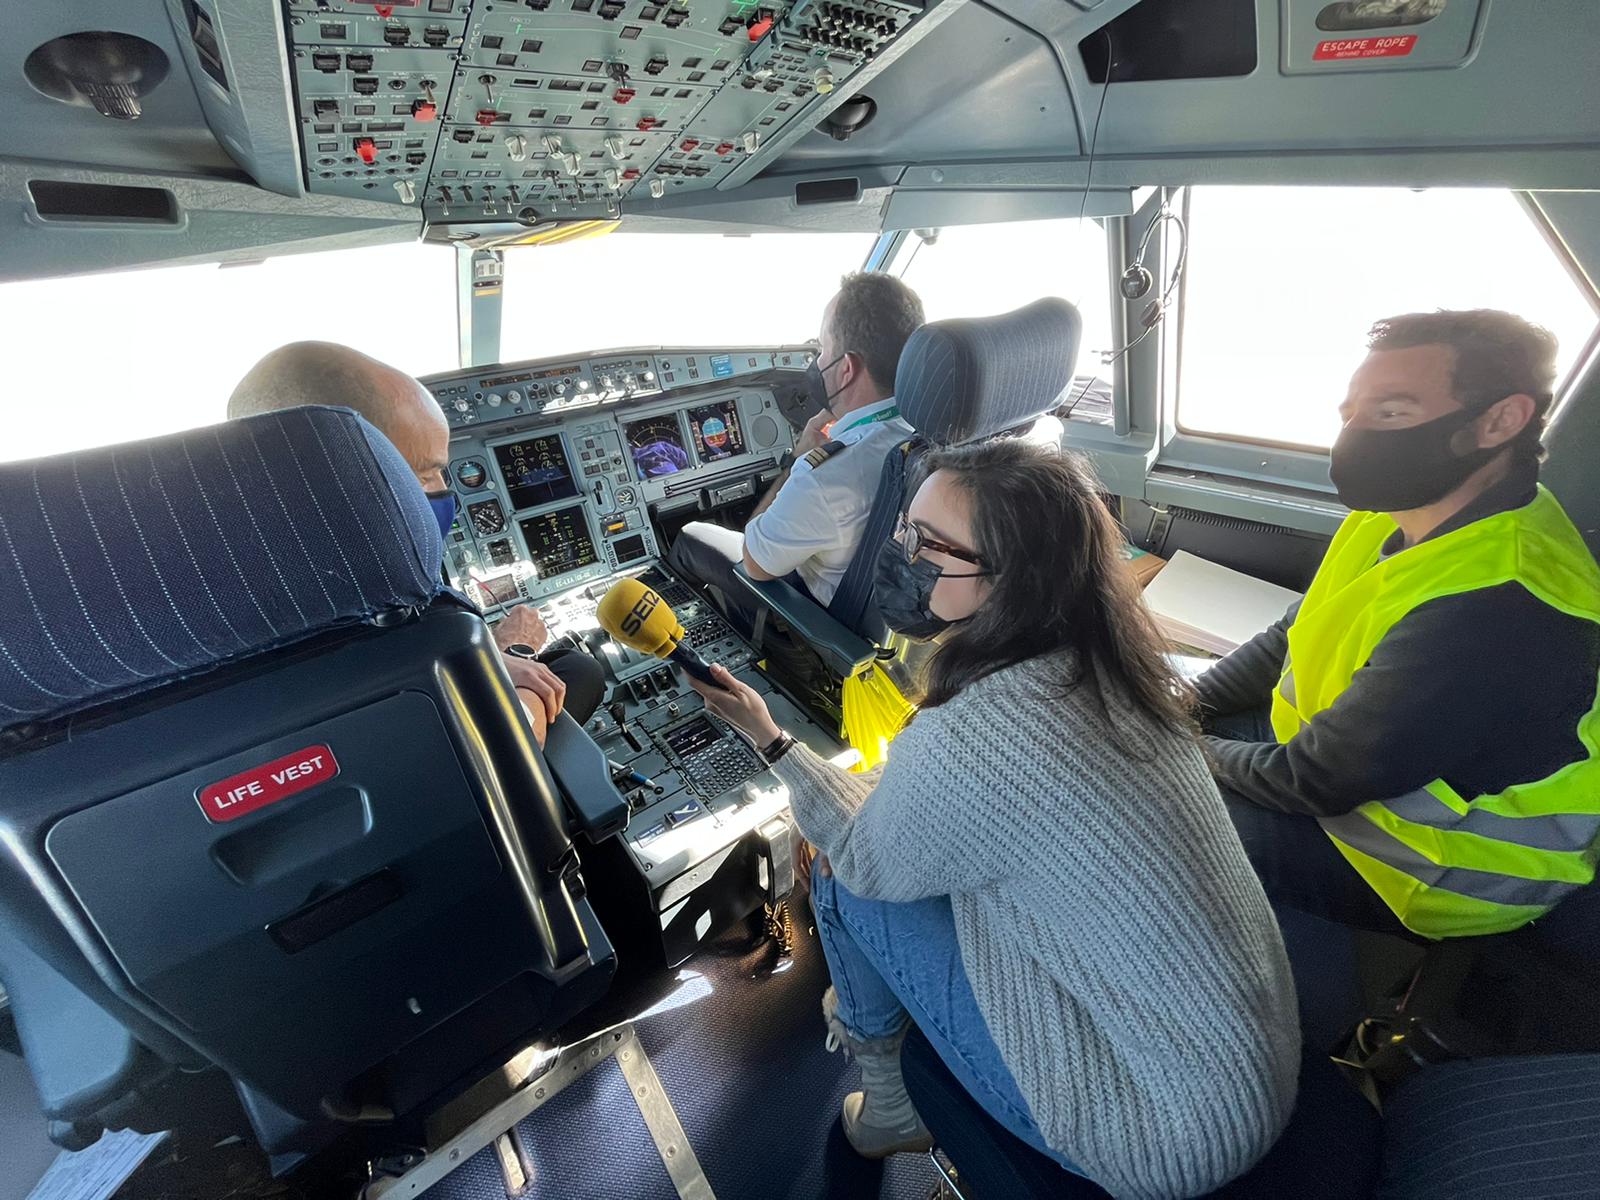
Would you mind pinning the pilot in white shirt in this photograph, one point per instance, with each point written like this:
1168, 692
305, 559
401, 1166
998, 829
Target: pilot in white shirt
813, 525
810, 522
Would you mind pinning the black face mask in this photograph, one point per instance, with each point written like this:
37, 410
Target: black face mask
817, 387
902, 592
1394, 470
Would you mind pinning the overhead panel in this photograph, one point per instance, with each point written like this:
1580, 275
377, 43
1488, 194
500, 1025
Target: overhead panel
371, 91
564, 108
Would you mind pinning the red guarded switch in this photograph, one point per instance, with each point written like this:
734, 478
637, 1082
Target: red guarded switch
424, 110
368, 150
760, 29
646, 124
631, 173
723, 148
688, 144
487, 116
624, 95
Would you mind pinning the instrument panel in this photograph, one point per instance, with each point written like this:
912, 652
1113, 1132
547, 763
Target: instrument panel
559, 465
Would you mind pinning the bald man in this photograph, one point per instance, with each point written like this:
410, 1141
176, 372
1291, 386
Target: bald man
403, 411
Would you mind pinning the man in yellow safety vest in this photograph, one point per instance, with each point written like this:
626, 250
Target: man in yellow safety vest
1416, 745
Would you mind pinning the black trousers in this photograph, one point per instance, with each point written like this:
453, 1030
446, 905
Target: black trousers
1298, 864
586, 682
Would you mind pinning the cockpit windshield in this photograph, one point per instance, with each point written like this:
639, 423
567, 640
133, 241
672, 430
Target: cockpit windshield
673, 289
163, 347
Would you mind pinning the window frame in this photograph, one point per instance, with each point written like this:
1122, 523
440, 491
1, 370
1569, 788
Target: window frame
1237, 469
1186, 438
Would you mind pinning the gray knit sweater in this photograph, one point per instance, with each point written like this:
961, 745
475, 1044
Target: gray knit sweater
1119, 945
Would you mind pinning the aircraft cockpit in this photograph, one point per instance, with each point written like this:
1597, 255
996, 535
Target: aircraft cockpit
799, 599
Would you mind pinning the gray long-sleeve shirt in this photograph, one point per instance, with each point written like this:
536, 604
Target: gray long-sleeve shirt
1482, 689
1117, 940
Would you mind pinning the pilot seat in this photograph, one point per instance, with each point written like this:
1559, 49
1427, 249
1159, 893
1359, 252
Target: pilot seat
272, 823
958, 382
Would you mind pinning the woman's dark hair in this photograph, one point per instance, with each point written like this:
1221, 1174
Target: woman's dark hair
1059, 583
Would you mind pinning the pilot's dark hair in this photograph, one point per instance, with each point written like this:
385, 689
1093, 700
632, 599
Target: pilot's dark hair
874, 317
1059, 583
1497, 354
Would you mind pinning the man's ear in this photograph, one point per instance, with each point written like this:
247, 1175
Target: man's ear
850, 369
1505, 419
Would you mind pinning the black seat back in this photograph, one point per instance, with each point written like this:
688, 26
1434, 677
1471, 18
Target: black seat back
288, 823
958, 382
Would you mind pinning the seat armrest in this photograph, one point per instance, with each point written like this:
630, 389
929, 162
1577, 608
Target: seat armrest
844, 650
584, 778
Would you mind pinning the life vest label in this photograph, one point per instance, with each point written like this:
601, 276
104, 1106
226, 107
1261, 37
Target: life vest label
244, 793
1343, 49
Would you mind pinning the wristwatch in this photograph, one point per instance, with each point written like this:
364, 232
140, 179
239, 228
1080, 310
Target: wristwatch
521, 650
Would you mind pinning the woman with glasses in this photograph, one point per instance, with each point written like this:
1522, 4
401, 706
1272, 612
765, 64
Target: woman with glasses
1043, 875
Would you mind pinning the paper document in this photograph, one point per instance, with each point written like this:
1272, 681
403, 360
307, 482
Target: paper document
1210, 607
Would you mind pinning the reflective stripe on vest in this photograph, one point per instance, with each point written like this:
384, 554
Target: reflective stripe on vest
1446, 865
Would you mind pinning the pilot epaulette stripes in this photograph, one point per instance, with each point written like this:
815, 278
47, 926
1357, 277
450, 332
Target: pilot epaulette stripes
815, 458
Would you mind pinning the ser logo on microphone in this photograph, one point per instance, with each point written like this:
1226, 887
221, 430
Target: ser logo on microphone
640, 612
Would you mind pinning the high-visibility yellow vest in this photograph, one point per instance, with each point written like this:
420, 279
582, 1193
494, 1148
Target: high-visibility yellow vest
1451, 865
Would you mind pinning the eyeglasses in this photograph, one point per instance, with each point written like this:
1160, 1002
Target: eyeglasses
913, 542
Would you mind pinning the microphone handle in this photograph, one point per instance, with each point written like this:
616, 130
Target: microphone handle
691, 662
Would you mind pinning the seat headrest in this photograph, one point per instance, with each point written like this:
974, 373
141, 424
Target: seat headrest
966, 379
126, 567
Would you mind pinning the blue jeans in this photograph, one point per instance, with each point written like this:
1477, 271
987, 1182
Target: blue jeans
893, 961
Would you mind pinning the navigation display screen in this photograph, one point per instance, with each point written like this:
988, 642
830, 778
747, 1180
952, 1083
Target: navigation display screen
717, 432
536, 471
559, 542
656, 444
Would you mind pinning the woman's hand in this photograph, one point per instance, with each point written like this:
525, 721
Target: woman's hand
808, 860
739, 705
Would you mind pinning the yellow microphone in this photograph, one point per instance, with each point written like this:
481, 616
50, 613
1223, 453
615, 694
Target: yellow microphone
640, 619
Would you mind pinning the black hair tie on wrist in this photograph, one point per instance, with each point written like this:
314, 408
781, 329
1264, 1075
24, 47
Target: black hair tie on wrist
779, 746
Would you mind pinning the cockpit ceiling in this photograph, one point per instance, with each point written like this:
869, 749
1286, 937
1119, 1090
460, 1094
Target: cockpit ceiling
262, 125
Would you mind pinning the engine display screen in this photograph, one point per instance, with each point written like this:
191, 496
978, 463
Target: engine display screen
656, 444
717, 432
559, 542
536, 471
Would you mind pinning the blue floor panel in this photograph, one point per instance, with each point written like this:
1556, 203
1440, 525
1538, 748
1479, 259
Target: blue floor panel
736, 1037
591, 1141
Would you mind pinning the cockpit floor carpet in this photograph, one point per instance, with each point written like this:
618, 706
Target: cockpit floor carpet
736, 1037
